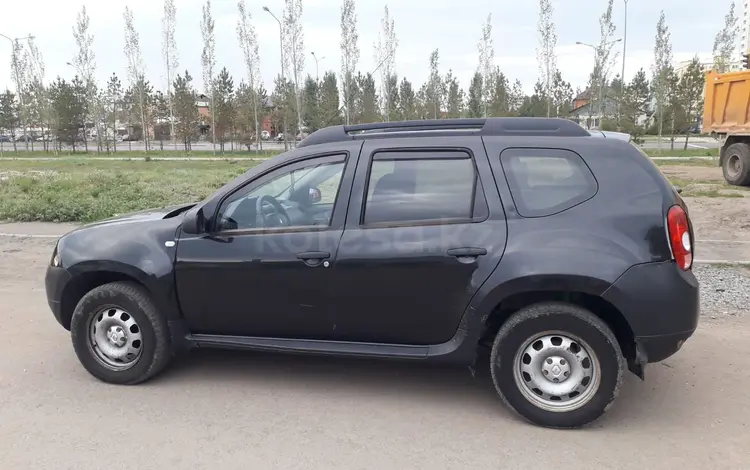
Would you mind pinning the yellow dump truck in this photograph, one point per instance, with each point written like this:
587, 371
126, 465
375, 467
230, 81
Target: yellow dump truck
726, 115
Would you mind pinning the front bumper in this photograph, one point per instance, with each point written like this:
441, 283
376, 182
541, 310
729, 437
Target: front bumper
54, 283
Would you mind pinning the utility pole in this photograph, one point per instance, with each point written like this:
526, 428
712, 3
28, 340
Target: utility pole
283, 75
317, 74
14, 63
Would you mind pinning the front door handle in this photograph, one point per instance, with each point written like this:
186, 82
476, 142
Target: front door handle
314, 258
467, 252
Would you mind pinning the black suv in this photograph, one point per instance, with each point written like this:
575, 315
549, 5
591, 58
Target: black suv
566, 256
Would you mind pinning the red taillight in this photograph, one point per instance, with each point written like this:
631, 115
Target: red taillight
679, 237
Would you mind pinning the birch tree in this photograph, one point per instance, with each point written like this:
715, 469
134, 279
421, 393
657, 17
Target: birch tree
85, 64
725, 42
605, 57
294, 41
136, 74
38, 102
435, 87
486, 64
18, 66
545, 53
385, 56
248, 39
171, 58
661, 70
208, 62
349, 54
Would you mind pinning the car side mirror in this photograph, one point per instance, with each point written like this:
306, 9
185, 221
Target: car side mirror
314, 195
194, 222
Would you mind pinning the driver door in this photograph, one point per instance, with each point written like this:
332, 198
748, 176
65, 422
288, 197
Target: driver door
265, 269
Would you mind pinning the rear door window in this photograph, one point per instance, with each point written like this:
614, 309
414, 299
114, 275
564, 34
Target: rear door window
546, 181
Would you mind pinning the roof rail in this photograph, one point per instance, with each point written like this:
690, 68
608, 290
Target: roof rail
504, 126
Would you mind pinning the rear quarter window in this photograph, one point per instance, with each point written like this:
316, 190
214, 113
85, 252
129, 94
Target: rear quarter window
544, 182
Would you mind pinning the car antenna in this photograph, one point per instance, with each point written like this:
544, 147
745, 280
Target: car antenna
338, 111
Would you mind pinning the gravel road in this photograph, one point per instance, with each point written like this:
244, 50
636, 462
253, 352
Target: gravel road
231, 410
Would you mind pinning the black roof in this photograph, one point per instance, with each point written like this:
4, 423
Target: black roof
505, 126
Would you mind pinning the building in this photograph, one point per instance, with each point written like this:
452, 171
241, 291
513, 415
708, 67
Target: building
743, 40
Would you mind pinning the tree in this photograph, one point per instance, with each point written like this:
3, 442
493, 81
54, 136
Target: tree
475, 105
312, 117
536, 104
18, 66
725, 42
516, 97
136, 72
142, 100
435, 88
249, 44
85, 64
330, 109
691, 93
9, 115
486, 65
454, 102
407, 100
162, 117
225, 106
661, 69
635, 103
68, 107
385, 57
283, 103
37, 98
186, 111
208, 62
604, 60
113, 100
499, 97
562, 95
249, 104
545, 53
367, 99
295, 54
349, 54
170, 55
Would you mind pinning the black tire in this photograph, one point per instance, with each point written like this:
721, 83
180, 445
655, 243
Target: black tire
564, 318
155, 345
736, 164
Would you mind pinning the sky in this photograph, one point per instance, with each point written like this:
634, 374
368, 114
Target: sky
453, 27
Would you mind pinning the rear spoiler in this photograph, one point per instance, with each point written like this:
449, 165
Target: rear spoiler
611, 135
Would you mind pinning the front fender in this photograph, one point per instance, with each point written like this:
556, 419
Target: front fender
137, 250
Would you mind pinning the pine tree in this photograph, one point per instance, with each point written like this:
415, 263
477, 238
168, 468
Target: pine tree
186, 112
225, 106
475, 105
407, 100
9, 115
330, 109
691, 95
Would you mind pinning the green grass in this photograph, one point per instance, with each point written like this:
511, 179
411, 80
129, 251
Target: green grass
714, 163
80, 191
691, 152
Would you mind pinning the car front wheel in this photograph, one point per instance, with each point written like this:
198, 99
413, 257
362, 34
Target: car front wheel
118, 334
557, 365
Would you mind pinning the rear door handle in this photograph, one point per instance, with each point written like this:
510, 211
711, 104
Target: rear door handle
314, 258
466, 252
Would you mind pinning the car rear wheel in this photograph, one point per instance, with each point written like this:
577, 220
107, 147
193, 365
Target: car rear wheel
557, 365
118, 334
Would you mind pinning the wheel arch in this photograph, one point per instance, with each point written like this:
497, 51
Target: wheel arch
89, 275
582, 291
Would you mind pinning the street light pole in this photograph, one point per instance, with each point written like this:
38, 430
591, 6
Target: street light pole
317, 74
283, 74
14, 64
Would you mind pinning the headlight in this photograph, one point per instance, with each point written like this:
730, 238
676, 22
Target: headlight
55, 262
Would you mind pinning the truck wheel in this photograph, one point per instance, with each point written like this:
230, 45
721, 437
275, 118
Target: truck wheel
118, 335
736, 165
557, 365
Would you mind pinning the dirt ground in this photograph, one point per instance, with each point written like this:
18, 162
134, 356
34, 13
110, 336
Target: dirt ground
232, 410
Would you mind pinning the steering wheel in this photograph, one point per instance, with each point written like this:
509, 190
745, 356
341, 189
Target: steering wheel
277, 217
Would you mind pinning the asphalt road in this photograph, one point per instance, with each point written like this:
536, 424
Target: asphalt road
229, 410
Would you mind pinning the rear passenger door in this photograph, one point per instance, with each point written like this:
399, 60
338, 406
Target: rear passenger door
425, 228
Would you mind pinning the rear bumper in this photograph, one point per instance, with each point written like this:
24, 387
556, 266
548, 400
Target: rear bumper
661, 303
54, 283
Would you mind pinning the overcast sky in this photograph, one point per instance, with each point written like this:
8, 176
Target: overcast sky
421, 25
